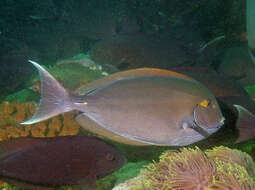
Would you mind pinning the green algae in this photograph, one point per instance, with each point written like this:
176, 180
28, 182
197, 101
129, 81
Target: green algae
128, 171
250, 90
7, 186
247, 146
22, 96
74, 75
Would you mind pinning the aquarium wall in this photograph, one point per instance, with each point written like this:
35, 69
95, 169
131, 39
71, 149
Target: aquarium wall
251, 23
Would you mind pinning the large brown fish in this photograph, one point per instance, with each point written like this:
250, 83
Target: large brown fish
148, 110
68, 160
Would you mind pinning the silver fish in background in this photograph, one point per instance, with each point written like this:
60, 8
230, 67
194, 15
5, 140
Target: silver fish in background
141, 110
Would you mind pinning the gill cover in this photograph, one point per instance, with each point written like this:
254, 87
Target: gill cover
207, 116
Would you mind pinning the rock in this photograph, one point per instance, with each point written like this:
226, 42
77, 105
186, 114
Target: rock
237, 63
134, 51
15, 69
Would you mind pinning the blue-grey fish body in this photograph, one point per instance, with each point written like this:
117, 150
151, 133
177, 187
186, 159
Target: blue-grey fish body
148, 110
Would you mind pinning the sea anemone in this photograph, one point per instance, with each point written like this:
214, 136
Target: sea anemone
189, 169
192, 169
233, 156
231, 176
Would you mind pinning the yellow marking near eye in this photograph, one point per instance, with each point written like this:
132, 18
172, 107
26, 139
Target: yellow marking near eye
85, 103
204, 103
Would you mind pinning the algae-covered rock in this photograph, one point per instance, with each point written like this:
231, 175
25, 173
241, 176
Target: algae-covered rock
72, 73
135, 51
237, 64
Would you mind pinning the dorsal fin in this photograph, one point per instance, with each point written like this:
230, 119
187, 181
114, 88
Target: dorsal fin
129, 73
15, 145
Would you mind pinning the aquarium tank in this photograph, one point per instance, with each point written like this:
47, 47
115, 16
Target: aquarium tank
127, 94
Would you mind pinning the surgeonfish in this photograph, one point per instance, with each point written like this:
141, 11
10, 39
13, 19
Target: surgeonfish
237, 107
34, 163
166, 110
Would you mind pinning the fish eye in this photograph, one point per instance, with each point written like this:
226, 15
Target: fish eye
110, 157
211, 104
207, 104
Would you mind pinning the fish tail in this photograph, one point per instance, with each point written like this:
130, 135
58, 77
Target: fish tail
54, 97
245, 124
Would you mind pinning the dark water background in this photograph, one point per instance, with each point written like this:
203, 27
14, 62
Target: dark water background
50, 30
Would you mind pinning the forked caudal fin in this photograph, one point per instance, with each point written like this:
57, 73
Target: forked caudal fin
54, 98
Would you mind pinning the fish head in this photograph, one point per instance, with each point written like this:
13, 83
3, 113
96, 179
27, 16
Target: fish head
109, 160
205, 119
207, 116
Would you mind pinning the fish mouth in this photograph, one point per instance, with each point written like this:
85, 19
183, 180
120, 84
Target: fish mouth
205, 130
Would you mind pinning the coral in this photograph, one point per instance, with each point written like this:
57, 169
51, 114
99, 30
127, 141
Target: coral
192, 169
12, 114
